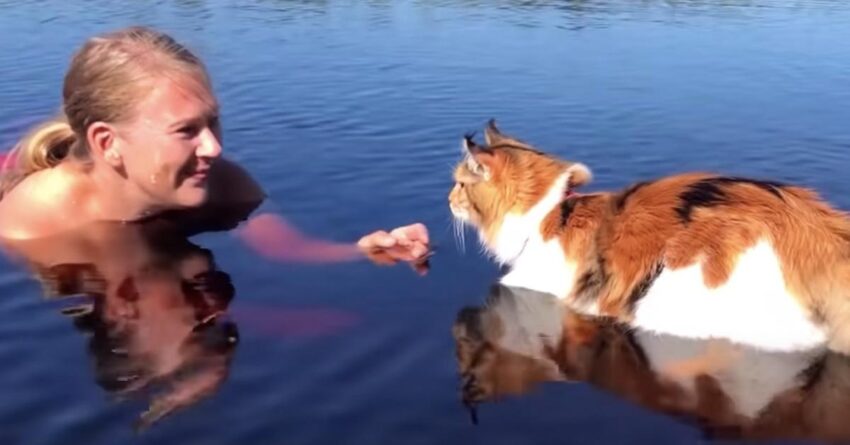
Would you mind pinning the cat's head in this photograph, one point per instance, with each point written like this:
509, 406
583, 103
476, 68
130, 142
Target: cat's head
504, 176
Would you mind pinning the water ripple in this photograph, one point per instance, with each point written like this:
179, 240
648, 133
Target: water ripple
350, 114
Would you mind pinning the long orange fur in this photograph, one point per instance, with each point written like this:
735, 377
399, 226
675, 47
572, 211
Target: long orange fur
618, 239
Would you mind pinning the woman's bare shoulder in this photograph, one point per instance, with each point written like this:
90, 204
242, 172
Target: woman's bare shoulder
231, 184
45, 203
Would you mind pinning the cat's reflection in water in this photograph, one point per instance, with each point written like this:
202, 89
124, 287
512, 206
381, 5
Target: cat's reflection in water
152, 306
520, 339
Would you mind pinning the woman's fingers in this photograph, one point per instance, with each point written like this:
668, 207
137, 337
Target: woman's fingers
411, 233
377, 240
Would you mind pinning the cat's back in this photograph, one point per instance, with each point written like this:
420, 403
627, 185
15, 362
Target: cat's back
691, 197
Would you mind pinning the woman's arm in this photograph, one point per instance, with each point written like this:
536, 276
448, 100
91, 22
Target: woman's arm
273, 237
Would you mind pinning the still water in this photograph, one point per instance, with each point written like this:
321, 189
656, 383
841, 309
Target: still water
350, 114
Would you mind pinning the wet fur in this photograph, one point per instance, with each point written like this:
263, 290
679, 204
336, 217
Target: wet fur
769, 263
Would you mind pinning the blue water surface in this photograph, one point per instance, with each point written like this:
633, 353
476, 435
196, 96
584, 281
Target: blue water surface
350, 113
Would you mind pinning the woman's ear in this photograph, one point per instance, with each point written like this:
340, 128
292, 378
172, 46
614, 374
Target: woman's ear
103, 142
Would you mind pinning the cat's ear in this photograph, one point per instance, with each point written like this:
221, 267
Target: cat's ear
580, 175
478, 157
492, 135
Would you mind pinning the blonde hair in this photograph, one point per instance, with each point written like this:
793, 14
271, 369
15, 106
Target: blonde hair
104, 82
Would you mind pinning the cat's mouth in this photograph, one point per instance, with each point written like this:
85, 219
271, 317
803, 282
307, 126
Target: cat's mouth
459, 213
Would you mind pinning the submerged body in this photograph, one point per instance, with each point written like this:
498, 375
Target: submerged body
696, 255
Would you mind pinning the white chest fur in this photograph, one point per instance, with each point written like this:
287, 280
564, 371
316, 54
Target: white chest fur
542, 267
752, 307
535, 264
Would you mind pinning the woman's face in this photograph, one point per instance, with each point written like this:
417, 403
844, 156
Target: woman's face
167, 149
166, 306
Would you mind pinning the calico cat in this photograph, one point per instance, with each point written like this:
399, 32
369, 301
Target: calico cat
696, 255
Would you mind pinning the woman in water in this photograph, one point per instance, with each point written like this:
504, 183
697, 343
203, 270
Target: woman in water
140, 138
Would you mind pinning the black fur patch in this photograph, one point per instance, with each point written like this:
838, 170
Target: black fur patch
567, 207
588, 284
591, 282
814, 373
709, 192
768, 186
620, 202
634, 345
643, 287
700, 194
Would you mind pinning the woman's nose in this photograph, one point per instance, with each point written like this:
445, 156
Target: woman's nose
210, 146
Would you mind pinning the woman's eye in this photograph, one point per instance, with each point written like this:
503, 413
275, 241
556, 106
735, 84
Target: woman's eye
189, 130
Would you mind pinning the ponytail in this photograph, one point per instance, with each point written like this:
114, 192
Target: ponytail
44, 147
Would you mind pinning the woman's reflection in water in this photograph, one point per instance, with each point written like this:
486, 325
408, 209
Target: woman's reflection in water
151, 304
520, 339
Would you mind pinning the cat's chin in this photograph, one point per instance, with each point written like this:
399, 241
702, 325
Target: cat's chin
460, 215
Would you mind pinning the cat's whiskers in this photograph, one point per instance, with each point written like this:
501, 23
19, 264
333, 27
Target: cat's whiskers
459, 230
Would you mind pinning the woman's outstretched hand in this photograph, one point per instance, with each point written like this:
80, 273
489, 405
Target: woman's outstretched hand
407, 243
